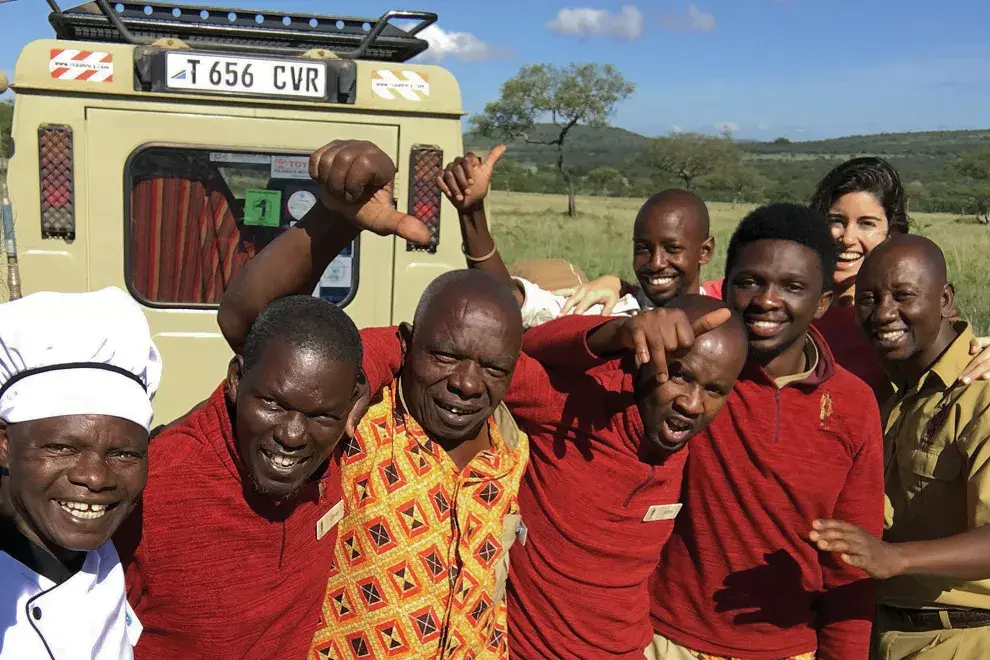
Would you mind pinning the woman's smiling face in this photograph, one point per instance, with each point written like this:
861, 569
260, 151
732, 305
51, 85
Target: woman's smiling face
859, 224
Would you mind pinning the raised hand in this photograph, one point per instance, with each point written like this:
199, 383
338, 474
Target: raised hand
655, 334
465, 180
354, 178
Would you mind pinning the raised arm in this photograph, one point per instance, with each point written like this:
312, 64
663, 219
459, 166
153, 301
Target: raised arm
354, 176
465, 182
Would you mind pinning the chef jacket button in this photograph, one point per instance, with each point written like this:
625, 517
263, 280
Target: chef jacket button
36, 613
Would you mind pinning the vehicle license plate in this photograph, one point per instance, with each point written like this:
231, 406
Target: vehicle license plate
246, 75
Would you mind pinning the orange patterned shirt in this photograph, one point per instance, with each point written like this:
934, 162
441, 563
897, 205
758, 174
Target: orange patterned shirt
422, 552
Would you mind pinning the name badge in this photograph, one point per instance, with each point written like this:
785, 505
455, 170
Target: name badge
661, 512
329, 519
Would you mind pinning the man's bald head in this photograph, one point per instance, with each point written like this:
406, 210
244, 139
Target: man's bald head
733, 332
671, 244
460, 354
902, 246
457, 286
676, 200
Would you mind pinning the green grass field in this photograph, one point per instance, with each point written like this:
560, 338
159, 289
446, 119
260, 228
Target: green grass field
530, 226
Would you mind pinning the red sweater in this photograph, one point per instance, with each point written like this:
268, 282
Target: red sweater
739, 576
214, 570
578, 587
851, 348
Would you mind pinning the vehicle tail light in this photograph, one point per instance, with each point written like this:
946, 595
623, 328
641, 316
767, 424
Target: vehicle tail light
425, 165
58, 217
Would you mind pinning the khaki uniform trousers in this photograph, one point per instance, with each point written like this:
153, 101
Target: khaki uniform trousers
664, 649
889, 643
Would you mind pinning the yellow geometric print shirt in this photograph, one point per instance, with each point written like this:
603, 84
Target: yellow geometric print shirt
422, 551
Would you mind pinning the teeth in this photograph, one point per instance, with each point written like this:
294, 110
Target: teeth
661, 281
849, 256
892, 335
456, 411
766, 325
282, 461
82, 510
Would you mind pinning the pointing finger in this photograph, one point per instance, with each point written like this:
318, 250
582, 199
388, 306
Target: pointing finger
710, 321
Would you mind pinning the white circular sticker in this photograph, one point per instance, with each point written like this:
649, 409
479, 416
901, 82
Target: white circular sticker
300, 202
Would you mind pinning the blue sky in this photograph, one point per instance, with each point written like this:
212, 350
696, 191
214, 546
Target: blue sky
765, 68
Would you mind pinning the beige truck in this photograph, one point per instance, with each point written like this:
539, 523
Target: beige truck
158, 147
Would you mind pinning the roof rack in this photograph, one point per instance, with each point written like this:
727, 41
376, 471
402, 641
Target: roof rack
272, 32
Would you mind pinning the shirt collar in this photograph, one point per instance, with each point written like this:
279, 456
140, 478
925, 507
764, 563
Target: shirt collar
24, 550
950, 365
811, 355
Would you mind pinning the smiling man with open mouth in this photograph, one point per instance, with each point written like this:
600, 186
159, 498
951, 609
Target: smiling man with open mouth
75, 410
228, 552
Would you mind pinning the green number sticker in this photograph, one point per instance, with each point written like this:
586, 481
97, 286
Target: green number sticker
262, 208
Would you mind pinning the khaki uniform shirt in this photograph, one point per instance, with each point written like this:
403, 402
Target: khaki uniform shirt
937, 458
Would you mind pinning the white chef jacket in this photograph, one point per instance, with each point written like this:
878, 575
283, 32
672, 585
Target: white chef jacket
85, 617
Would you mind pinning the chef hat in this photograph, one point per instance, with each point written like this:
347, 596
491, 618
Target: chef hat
77, 354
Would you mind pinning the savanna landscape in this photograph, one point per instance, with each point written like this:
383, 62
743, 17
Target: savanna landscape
599, 239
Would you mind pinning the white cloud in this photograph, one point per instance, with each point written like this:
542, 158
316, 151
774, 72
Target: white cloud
695, 20
676, 129
463, 46
588, 22
701, 21
730, 126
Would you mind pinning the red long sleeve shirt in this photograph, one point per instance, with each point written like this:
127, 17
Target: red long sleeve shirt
578, 586
213, 570
739, 576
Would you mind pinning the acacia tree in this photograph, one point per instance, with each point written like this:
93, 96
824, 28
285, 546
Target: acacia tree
691, 156
584, 94
973, 169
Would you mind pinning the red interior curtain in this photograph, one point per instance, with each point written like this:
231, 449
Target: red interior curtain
185, 244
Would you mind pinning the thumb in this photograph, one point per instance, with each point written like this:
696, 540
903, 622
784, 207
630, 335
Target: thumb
710, 321
494, 155
409, 227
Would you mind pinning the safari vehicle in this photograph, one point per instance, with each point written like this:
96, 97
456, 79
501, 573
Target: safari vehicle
158, 147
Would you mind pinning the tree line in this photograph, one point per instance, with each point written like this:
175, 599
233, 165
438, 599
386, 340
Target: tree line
556, 120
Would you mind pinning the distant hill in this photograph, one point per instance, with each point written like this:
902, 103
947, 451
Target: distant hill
929, 143
588, 148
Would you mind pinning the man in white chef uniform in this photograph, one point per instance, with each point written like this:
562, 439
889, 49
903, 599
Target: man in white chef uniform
77, 375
